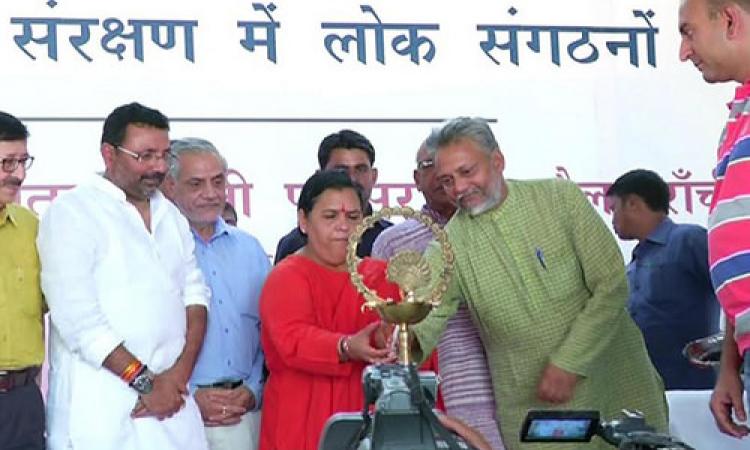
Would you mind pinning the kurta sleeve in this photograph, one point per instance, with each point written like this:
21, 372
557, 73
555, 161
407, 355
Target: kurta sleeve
68, 259
604, 276
287, 311
195, 293
427, 332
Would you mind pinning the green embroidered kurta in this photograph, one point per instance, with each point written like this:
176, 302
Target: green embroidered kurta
545, 282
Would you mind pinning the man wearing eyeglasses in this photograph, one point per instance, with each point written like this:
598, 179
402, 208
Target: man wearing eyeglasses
127, 300
21, 303
350, 152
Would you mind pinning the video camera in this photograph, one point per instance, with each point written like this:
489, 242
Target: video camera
403, 418
628, 433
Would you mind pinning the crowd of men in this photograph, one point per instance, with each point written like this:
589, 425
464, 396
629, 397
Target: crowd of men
152, 291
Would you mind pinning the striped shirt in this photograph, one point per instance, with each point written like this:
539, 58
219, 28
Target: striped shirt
729, 219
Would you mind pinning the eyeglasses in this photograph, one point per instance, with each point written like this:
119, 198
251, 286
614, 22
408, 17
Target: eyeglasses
147, 157
425, 164
11, 164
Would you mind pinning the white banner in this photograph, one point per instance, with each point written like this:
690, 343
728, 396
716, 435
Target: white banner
583, 89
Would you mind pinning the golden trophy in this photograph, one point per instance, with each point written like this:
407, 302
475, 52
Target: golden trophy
410, 271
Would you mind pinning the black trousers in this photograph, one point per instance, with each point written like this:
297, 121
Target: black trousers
22, 419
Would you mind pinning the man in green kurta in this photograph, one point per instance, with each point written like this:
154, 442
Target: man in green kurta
545, 283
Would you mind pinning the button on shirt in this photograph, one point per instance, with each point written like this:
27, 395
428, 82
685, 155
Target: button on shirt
109, 280
21, 303
672, 300
235, 267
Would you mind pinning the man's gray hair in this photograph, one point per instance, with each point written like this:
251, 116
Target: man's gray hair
430, 144
190, 145
475, 129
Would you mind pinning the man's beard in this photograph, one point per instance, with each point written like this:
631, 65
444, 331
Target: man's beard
494, 196
157, 178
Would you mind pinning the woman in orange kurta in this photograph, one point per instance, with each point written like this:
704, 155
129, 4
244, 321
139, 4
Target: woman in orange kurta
315, 336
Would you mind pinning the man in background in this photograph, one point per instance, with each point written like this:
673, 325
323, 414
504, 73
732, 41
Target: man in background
350, 152
671, 297
229, 214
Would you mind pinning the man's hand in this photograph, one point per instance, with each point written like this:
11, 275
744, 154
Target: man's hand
221, 407
177, 376
727, 398
469, 434
163, 402
557, 385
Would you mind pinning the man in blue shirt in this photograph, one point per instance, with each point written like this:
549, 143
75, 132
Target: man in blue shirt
671, 297
228, 376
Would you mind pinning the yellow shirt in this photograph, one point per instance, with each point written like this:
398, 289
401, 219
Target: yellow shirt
21, 302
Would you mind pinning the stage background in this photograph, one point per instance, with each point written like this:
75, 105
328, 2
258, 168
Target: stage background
631, 105
582, 89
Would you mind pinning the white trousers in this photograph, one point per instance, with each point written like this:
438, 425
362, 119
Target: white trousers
241, 436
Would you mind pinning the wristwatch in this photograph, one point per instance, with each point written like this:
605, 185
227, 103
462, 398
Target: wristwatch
143, 383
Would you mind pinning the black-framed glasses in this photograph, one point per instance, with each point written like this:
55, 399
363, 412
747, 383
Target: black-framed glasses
11, 164
425, 164
149, 156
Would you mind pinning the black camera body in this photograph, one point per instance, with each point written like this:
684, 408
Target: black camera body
402, 417
631, 432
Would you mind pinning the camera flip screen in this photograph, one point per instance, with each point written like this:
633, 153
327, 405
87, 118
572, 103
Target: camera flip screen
559, 426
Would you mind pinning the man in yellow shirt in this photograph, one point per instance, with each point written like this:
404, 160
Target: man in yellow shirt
21, 303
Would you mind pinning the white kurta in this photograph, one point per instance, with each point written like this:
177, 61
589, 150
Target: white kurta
108, 280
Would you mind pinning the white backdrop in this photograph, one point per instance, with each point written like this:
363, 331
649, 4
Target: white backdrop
62, 72
588, 121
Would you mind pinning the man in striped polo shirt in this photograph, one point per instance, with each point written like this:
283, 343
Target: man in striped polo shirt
716, 38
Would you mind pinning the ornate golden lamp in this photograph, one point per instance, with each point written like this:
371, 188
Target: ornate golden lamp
410, 271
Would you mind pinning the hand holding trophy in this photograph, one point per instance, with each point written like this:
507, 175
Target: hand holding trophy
411, 271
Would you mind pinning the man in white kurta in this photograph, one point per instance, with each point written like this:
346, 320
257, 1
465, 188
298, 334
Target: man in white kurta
119, 274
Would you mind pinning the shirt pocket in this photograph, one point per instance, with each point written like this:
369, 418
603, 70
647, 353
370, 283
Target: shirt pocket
663, 290
560, 273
